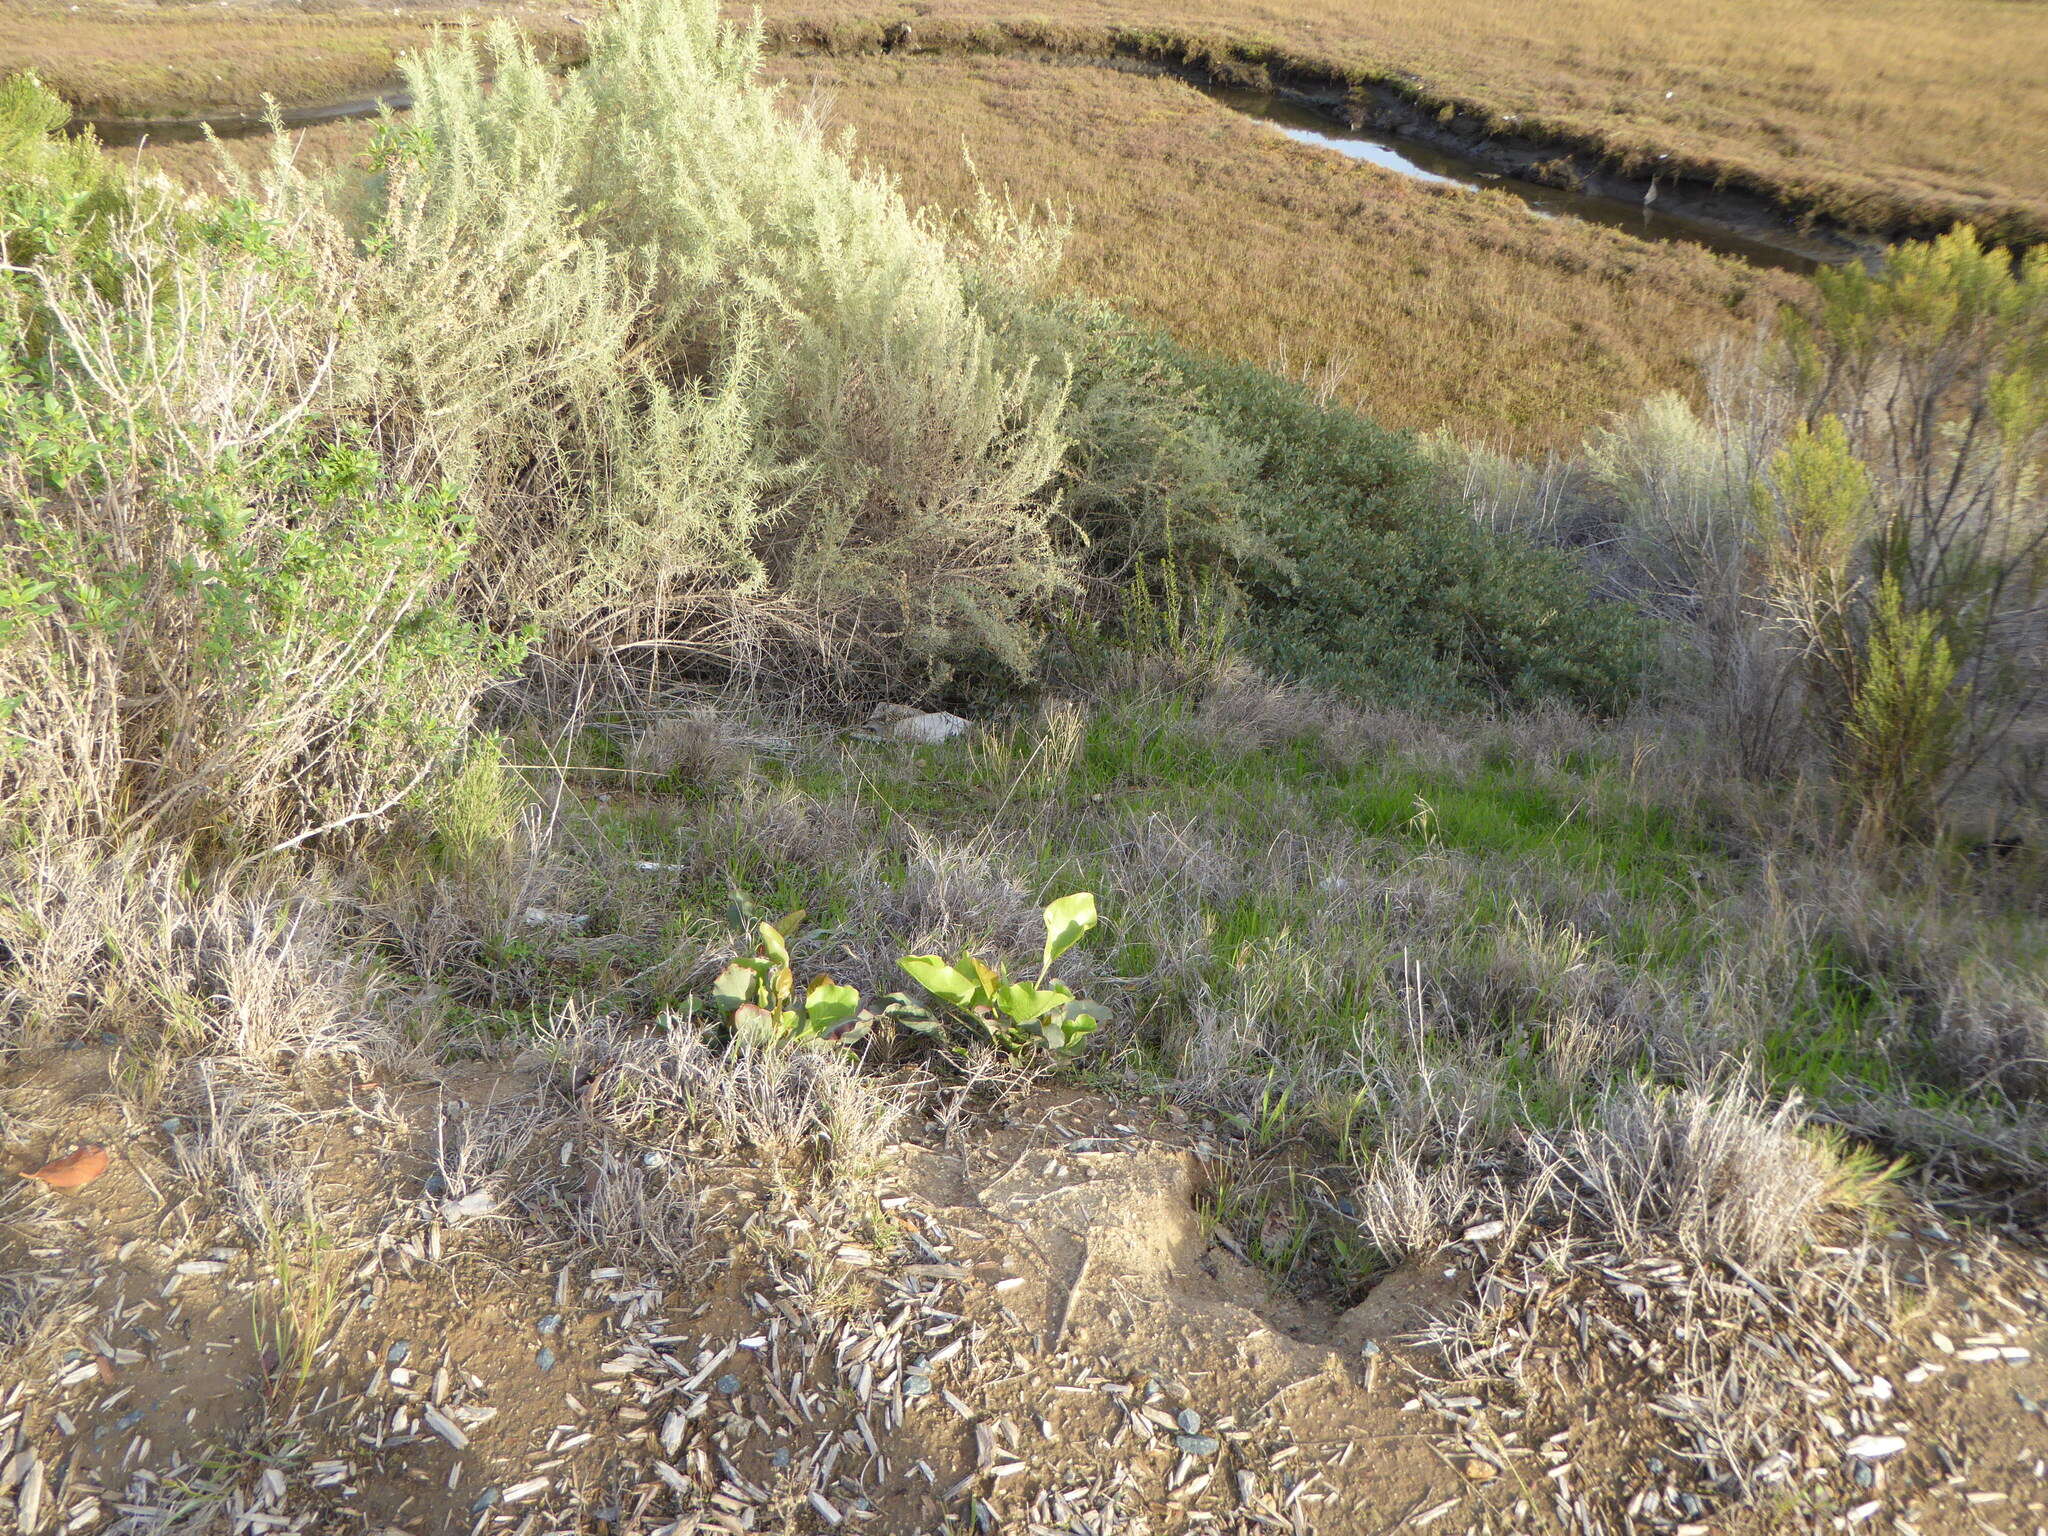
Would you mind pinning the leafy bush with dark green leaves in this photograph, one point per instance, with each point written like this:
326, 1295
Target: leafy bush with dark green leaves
1355, 570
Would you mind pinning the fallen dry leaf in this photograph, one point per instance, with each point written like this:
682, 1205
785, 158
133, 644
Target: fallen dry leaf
74, 1170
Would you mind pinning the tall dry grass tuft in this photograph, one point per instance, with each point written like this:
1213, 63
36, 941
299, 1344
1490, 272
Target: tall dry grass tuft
116, 940
809, 1114
1720, 1173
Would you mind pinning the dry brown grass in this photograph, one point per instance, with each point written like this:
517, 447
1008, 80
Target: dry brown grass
114, 60
1420, 306
1885, 114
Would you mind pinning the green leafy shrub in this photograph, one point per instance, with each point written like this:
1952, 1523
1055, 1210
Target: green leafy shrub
56, 193
1880, 678
709, 391
1855, 533
258, 679
1907, 716
1153, 478
1356, 571
1931, 376
220, 615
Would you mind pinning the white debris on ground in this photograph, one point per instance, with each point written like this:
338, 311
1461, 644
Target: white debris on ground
905, 723
1029, 1330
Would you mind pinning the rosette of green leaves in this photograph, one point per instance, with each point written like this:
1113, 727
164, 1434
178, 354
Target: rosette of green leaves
759, 993
1015, 1015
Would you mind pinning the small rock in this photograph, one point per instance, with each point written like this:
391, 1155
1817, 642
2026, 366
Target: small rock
1190, 1422
550, 1323
1198, 1445
545, 1359
1480, 1470
902, 722
728, 1384
396, 1354
485, 1500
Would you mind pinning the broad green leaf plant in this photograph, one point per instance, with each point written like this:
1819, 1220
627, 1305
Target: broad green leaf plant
760, 995
758, 992
1017, 1015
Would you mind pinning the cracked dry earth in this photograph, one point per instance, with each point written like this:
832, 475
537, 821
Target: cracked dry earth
1026, 1326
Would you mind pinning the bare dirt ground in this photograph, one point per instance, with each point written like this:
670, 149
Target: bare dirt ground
1024, 1321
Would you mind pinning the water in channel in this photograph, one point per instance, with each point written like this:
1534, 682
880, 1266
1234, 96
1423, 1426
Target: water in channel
1430, 163
1296, 118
